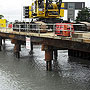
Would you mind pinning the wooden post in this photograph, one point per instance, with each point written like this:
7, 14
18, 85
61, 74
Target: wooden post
0, 43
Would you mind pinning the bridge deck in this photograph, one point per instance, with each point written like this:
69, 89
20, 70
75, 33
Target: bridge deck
77, 36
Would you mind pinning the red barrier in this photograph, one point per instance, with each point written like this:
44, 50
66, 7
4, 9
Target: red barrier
64, 29
10, 26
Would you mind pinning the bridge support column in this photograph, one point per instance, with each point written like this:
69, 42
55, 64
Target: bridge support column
48, 59
55, 54
31, 52
17, 47
48, 56
0, 43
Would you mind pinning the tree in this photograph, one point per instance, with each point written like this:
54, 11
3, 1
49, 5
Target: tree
1, 16
84, 15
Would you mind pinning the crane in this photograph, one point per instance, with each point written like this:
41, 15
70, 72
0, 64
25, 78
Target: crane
47, 10
44, 12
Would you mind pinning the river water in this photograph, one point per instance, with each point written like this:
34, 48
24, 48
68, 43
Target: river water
29, 72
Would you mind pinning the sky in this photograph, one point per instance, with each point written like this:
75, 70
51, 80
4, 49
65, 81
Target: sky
13, 9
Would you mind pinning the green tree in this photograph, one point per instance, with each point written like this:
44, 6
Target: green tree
83, 15
1, 16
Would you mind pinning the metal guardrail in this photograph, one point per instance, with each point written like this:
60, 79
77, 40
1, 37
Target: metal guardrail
38, 28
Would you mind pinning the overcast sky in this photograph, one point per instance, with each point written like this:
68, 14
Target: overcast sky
12, 9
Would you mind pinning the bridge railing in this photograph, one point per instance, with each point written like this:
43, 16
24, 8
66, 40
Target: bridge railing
6, 28
57, 29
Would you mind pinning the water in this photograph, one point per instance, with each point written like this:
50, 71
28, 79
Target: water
29, 72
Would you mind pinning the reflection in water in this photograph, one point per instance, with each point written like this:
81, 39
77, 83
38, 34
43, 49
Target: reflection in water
29, 72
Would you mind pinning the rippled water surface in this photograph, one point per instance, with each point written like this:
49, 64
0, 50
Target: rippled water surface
29, 72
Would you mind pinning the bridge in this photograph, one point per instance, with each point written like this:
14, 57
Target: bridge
78, 45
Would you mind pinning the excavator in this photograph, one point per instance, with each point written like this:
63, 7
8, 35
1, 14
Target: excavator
42, 12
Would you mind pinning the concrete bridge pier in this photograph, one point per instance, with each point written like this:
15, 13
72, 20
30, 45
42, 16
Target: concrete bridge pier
0, 43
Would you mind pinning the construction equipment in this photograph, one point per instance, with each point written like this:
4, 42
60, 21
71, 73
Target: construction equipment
64, 29
2, 23
48, 11
44, 12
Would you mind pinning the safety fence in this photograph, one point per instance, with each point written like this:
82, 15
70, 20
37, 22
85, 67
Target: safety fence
58, 29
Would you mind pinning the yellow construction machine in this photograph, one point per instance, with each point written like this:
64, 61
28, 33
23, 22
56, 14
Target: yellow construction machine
44, 12
2, 23
47, 10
